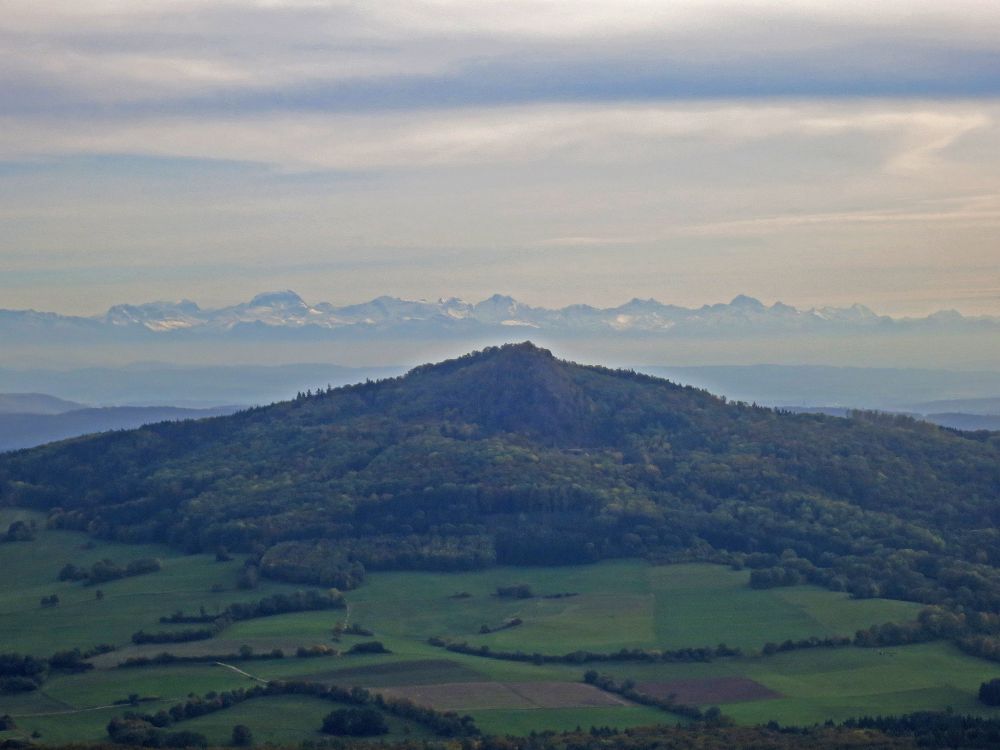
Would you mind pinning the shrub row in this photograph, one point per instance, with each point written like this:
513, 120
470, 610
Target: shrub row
627, 690
702, 654
149, 730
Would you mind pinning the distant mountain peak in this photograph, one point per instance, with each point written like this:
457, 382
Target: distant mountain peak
287, 298
273, 313
746, 302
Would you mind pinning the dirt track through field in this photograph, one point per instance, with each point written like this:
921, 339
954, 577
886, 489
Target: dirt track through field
240, 671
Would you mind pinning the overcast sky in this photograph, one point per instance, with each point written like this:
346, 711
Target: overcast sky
578, 151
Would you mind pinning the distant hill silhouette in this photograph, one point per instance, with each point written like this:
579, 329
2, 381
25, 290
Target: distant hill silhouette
510, 455
35, 403
18, 430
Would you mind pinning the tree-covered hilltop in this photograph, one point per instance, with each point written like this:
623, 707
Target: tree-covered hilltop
510, 455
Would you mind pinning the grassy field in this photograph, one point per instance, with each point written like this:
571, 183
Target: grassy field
285, 718
820, 684
615, 604
186, 582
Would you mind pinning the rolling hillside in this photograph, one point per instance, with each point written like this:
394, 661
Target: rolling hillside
511, 456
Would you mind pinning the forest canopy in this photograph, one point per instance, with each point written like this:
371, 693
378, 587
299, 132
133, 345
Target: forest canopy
512, 456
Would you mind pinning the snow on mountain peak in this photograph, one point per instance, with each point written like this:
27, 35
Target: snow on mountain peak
286, 309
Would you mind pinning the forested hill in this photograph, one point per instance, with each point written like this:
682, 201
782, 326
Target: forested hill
511, 455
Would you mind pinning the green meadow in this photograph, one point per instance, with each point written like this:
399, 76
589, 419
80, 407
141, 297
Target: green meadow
613, 605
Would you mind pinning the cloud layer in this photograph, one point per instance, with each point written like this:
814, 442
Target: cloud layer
807, 151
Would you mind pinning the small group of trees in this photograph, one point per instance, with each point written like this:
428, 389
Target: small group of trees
355, 722
989, 692
355, 628
137, 732
241, 736
150, 730
515, 591
368, 647
141, 637
276, 604
20, 531
21, 673
106, 570
513, 622
245, 653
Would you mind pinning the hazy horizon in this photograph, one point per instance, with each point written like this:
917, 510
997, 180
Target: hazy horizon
233, 300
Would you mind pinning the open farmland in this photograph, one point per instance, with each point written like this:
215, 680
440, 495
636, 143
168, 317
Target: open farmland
615, 604
612, 605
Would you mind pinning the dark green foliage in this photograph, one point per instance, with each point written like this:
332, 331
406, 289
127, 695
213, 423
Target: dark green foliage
249, 578
173, 636
769, 578
356, 629
935, 730
70, 661
168, 658
19, 531
355, 722
108, 570
242, 736
70, 572
516, 591
989, 692
368, 647
17, 684
139, 732
21, 673
697, 654
511, 456
276, 604
925, 730
833, 641
52, 600
513, 622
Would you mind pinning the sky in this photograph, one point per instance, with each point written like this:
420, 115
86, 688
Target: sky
560, 151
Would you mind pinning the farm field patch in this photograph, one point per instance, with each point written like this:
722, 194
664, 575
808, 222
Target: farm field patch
398, 673
618, 604
614, 605
286, 718
709, 690
468, 696
81, 619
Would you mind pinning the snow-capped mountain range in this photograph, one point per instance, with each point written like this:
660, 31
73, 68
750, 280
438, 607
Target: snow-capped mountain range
275, 312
